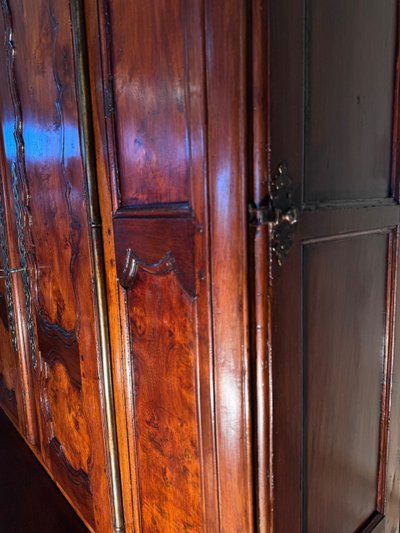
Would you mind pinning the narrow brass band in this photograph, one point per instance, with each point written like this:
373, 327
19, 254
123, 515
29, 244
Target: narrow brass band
88, 155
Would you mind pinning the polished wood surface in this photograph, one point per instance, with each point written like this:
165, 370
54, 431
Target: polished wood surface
44, 183
151, 54
251, 394
152, 156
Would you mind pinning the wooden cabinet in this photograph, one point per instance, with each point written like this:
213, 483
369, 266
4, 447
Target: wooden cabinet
198, 249
48, 300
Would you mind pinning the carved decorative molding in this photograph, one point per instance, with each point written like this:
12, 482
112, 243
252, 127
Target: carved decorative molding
24, 266
133, 264
5, 262
18, 173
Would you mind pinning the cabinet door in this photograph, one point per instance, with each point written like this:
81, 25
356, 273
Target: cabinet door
45, 185
178, 255
334, 93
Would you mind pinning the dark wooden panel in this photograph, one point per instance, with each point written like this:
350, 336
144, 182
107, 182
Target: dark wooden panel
331, 222
152, 43
351, 67
344, 358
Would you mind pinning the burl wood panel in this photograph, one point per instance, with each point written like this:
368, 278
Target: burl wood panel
157, 271
344, 359
54, 230
349, 98
152, 88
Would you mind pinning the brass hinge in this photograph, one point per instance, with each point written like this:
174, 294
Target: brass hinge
278, 212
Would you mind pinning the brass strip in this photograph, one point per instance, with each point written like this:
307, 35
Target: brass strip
88, 155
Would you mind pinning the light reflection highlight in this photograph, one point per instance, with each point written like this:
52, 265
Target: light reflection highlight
43, 143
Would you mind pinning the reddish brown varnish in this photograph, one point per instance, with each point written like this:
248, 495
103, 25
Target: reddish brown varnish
249, 396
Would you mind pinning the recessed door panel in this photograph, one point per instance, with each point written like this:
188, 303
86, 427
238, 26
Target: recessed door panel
350, 69
157, 270
344, 361
153, 83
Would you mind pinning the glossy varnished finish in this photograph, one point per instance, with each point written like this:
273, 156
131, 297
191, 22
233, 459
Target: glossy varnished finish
334, 319
259, 265
249, 395
227, 142
167, 381
43, 162
155, 127
152, 152
11, 253
160, 299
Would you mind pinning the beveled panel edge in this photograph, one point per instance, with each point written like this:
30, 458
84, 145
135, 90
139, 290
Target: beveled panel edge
391, 280
395, 166
160, 210
110, 107
370, 524
332, 223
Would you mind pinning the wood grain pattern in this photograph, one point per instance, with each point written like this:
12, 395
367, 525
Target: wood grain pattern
49, 190
153, 133
227, 39
166, 420
14, 283
123, 174
153, 165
